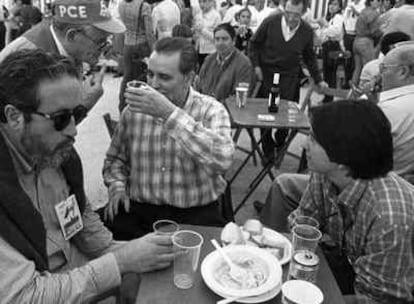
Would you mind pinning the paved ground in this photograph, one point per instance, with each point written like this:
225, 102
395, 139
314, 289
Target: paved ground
93, 141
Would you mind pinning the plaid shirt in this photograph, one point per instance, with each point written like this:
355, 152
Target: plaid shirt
374, 222
178, 162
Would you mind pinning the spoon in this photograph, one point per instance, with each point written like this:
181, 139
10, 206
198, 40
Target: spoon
237, 273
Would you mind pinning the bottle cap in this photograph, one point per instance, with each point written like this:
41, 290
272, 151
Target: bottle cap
276, 78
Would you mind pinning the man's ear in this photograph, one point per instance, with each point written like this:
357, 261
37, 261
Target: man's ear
14, 117
404, 72
189, 78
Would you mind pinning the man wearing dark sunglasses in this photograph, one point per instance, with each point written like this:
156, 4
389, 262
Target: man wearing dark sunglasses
79, 29
53, 247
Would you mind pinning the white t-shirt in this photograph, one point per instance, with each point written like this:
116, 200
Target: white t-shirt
165, 16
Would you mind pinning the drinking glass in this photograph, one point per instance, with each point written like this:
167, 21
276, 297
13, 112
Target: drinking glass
165, 227
242, 90
305, 237
187, 246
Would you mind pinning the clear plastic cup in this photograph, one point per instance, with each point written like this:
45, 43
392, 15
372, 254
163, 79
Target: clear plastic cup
187, 246
305, 220
165, 227
242, 90
305, 237
136, 84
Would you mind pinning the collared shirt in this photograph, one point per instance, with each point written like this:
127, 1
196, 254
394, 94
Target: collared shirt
208, 23
59, 45
286, 31
165, 16
374, 220
398, 106
80, 279
179, 161
334, 29
350, 18
223, 61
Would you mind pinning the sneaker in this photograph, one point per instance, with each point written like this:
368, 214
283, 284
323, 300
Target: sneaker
258, 206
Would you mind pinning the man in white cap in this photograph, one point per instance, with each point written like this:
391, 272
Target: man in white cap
79, 29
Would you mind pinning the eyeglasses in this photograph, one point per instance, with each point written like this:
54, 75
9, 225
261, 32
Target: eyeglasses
293, 15
61, 119
383, 67
102, 43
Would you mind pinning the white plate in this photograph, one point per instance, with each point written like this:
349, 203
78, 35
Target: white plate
214, 261
257, 299
280, 238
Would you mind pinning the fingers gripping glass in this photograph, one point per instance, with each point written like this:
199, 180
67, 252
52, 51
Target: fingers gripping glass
62, 119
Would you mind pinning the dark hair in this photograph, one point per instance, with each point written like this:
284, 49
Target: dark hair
305, 3
188, 54
356, 134
392, 38
244, 9
410, 2
328, 14
227, 28
182, 30
22, 71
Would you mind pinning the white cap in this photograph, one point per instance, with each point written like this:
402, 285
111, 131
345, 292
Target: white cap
276, 78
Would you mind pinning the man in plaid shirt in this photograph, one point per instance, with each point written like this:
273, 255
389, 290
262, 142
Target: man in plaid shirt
170, 150
366, 210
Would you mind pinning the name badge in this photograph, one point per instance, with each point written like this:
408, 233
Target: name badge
69, 216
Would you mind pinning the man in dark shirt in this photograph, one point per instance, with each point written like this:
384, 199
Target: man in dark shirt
278, 46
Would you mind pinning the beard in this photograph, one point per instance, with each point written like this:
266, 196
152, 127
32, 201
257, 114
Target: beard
44, 157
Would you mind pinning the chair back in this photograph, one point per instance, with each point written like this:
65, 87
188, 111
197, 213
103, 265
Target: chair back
110, 124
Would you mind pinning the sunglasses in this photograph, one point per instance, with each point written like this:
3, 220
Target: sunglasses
61, 119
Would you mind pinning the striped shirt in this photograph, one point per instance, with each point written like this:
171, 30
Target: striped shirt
178, 162
374, 220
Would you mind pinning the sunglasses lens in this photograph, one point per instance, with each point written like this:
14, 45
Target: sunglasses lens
62, 120
79, 113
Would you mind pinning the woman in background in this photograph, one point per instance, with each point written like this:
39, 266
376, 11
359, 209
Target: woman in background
367, 34
225, 68
243, 31
204, 27
331, 35
138, 41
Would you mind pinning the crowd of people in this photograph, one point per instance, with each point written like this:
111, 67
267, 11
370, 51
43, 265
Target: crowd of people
172, 146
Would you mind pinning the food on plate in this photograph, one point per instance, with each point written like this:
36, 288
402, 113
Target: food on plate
254, 227
232, 234
255, 276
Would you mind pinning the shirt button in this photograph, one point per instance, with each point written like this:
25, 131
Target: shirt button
162, 169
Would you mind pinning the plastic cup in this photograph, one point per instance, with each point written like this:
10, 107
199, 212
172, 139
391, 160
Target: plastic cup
305, 220
165, 227
301, 292
186, 245
242, 90
305, 237
136, 84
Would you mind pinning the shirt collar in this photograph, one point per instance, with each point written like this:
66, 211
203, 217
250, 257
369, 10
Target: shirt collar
396, 93
221, 62
59, 45
286, 30
21, 161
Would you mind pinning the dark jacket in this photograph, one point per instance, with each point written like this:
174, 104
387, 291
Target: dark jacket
21, 225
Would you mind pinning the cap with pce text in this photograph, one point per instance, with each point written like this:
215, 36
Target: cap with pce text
92, 12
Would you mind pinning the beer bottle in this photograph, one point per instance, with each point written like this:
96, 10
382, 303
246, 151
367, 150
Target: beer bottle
274, 98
